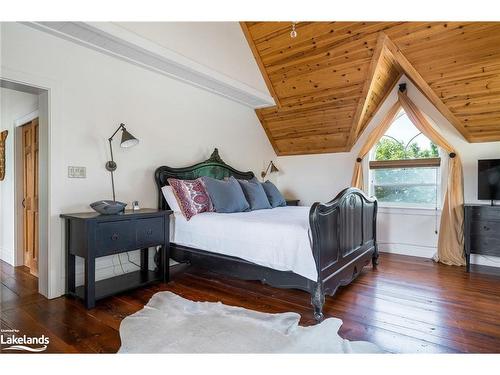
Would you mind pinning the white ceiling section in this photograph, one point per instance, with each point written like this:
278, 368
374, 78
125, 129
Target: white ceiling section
220, 46
205, 72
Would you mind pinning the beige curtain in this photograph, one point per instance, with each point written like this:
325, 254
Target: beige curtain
375, 135
451, 235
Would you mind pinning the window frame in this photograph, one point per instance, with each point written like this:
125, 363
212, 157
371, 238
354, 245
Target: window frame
403, 164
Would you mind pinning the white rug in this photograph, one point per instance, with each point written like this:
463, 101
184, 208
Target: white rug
172, 324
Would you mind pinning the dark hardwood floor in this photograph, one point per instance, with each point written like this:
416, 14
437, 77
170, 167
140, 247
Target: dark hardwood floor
407, 305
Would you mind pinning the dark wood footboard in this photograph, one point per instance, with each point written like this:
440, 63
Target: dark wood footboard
344, 240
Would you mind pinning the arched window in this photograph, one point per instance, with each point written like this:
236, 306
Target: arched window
405, 167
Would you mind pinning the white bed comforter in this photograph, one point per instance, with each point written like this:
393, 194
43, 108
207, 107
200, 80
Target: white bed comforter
277, 238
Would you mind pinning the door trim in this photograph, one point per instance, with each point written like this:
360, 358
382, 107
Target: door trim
26, 118
51, 276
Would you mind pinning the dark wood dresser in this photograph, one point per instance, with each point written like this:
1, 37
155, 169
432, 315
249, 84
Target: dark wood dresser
482, 231
91, 235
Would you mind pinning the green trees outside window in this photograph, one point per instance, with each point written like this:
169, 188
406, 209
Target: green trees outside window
389, 148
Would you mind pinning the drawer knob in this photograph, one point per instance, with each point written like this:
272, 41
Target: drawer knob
114, 237
149, 231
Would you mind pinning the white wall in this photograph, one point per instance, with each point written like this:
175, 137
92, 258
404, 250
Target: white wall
313, 178
177, 125
14, 105
220, 46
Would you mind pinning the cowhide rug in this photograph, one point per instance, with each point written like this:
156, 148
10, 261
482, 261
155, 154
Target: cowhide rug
172, 324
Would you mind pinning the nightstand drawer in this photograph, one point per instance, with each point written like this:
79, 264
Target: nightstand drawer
114, 236
150, 231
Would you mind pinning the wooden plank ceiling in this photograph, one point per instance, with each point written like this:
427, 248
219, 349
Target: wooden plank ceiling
329, 81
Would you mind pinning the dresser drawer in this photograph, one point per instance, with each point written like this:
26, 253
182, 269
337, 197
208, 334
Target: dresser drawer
485, 227
150, 231
484, 213
115, 236
485, 244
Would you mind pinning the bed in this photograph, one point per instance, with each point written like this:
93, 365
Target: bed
316, 249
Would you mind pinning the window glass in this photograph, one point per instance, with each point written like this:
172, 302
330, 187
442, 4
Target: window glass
404, 141
406, 186
410, 186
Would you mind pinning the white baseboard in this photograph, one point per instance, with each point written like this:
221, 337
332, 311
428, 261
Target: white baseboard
485, 260
7, 256
407, 249
428, 252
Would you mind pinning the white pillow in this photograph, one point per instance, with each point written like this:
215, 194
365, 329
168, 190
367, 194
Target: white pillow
168, 193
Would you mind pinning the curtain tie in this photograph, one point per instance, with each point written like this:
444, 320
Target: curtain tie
359, 160
452, 155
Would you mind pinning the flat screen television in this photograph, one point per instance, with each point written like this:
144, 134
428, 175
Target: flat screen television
488, 181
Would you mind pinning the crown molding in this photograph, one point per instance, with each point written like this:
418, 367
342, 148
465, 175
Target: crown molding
116, 41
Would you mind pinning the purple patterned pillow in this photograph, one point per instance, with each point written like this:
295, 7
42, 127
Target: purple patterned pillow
191, 196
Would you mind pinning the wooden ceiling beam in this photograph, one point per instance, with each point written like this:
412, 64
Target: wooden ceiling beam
359, 115
387, 49
410, 71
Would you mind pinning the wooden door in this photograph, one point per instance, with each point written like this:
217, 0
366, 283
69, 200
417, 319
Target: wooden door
30, 195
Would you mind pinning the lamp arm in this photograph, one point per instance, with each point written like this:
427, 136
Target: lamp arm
264, 173
111, 170
112, 164
111, 149
268, 166
122, 125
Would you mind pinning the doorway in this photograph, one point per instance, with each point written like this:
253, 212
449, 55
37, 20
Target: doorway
30, 217
24, 204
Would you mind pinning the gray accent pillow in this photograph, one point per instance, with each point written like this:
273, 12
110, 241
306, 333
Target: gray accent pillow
255, 194
227, 196
274, 195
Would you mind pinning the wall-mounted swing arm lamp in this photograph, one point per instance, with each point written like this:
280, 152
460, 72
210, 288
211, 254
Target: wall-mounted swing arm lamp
271, 168
128, 140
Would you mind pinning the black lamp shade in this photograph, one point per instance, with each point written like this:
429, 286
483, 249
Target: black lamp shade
128, 140
274, 169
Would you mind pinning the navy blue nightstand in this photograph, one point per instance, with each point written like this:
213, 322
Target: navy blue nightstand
91, 235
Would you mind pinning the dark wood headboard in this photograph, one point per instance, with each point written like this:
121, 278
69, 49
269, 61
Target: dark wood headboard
214, 167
